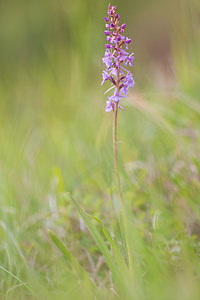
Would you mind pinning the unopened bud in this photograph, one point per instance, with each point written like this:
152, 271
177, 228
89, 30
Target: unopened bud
106, 32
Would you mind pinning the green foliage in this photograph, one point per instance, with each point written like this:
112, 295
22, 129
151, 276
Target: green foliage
56, 138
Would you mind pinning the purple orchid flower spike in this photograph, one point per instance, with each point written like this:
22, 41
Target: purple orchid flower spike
115, 56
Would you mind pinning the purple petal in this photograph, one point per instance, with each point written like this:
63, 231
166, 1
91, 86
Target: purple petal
106, 32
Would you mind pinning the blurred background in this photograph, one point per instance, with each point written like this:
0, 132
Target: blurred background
56, 137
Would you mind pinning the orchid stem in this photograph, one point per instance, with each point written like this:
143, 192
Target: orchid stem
123, 210
115, 157
115, 151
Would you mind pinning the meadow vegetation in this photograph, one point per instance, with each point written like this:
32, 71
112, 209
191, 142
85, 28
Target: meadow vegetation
56, 164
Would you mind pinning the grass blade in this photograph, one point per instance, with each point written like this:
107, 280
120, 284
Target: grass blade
118, 278
68, 256
17, 278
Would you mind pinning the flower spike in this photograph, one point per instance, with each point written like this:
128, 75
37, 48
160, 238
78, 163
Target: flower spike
121, 79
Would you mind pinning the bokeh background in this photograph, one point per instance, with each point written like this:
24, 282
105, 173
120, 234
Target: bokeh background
55, 136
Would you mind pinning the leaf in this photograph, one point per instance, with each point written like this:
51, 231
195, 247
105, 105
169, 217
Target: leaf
17, 278
69, 257
118, 256
103, 248
94, 218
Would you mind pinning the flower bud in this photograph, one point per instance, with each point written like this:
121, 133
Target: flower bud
117, 16
106, 32
128, 41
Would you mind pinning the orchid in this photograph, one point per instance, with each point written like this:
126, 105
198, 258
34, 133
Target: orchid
115, 56
116, 59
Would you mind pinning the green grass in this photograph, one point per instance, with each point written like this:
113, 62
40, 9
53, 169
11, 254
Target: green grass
56, 168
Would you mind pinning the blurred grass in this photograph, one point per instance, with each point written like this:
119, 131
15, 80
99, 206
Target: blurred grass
56, 138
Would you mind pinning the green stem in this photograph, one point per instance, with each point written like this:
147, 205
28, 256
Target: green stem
115, 152
115, 157
123, 209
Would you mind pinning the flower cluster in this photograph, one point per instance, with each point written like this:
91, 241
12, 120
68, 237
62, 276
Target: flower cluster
116, 56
